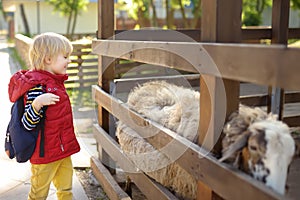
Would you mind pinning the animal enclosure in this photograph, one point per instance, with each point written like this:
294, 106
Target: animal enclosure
220, 60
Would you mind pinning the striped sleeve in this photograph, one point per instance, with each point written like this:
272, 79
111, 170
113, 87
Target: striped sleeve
31, 117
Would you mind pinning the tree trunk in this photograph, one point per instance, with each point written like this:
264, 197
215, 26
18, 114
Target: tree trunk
197, 16
74, 23
186, 25
24, 19
154, 17
69, 23
167, 14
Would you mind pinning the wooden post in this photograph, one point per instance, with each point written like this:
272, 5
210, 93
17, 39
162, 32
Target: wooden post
221, 22
80, 69
280, 26
106, 69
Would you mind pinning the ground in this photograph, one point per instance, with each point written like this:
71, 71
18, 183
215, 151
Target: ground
93, 190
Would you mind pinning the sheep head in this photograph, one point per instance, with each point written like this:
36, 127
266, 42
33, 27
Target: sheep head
264, 149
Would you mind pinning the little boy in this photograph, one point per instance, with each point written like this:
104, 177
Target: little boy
43, 85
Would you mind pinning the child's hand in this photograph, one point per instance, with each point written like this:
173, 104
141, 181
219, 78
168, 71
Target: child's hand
44, 100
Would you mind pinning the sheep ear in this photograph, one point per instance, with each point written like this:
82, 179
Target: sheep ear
240, 142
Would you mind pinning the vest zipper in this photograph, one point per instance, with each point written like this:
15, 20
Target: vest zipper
61, 145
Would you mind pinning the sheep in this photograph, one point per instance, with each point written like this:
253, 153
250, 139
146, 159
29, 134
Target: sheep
260, 145
176, 108
254, 141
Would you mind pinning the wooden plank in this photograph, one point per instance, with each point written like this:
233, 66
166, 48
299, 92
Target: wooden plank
91, 60
106, 17
280, 25
110, 186
294, 33
254, 100
292, 121
220, 22
74, 53
127, 66
280, 21
125, 85
105, 66
248, 33
253, 63
184, 35
151, 189
261, 99
195, 160
293, 179
256, 33
92, 81
292, 97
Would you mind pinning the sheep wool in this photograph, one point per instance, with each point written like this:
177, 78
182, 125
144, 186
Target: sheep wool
174, 107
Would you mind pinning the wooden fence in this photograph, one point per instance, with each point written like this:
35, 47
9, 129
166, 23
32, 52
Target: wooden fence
193, 157
274, 65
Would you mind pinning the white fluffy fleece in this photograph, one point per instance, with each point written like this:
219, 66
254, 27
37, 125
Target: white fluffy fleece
174, 107
280, 149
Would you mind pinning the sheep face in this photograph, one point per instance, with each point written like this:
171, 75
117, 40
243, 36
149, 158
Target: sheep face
265, 151
271, 149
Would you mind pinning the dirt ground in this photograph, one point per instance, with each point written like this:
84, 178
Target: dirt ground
95, 192
93, 189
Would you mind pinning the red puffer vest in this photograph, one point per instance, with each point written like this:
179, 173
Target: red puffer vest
60, 139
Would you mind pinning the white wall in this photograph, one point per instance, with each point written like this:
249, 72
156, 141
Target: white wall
294, 18
53, 21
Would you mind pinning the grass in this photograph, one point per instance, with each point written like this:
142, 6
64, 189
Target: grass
295, 44
15, 56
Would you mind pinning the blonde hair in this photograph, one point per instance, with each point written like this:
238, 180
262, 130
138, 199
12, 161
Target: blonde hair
48, 45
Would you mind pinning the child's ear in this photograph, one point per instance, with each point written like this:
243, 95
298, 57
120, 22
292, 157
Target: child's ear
47, 60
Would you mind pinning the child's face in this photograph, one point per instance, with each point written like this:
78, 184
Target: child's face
60, 64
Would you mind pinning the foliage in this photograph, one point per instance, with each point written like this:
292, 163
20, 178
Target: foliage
295, 4
140, 10
251, 13
294, 43
252, 10
69, 9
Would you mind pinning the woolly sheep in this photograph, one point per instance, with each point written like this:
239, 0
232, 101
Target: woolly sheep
260, 145
177, 108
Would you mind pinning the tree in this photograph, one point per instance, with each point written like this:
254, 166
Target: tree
70, 9
182, 11
24, 19
251, 13
253, 9
295, 4
197, 13
154, 15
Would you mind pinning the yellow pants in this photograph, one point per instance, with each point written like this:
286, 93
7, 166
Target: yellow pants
59, 172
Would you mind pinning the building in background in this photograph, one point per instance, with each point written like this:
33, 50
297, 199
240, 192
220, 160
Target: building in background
41, 17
